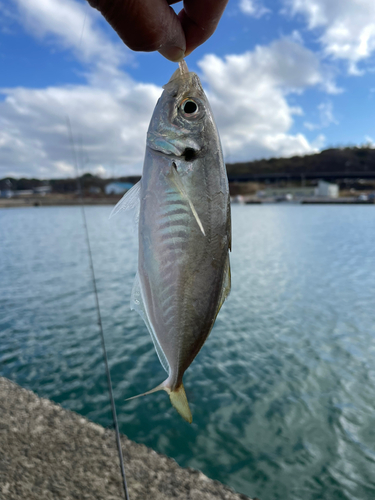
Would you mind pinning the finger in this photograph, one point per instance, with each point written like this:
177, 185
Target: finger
199, 19
145, 25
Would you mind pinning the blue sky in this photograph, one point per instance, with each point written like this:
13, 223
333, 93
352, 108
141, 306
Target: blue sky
284, 77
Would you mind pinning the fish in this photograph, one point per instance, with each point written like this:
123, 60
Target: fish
182, 207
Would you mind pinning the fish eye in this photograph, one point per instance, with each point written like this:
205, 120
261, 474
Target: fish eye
189, 107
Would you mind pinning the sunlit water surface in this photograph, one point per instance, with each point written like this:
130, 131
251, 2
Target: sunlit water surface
283, 391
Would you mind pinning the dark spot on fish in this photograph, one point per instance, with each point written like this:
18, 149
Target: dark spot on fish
189, 154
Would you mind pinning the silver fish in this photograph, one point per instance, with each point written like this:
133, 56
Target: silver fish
184, 230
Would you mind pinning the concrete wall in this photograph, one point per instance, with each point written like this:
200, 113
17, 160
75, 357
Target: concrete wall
48, 453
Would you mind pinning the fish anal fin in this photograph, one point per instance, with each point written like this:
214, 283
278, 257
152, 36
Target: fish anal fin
177, 182
229, 226
137, 304
129, 201
226, 286
180, 403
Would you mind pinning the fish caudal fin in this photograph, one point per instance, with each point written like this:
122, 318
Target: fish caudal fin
178, 399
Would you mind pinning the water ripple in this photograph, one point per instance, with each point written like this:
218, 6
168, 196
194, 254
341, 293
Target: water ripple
282, 393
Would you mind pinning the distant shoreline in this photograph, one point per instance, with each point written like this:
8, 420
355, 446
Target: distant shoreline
71, 200
57, 201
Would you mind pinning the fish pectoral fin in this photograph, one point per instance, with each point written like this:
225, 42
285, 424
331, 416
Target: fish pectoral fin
180, 403
129, 201
177, 182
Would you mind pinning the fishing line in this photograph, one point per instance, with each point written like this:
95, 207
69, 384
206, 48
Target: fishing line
100, 324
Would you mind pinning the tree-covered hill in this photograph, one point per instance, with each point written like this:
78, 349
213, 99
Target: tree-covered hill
353, 160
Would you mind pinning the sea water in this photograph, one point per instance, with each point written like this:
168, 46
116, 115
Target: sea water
283, 391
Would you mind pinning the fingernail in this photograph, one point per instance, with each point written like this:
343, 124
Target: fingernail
172, 53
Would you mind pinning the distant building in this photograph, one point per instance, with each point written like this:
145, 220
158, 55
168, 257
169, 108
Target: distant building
327, 190
117, 187
23, 192
238, 199
42, 190
6, 193
287, 192
323, 189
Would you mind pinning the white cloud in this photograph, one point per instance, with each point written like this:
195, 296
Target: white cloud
73, 26
253, 8
348, 27
326, 114
64, 169
34, 138
319, 142
33, 122
111, 112
369, 142
325, 111
248, 94
100, 171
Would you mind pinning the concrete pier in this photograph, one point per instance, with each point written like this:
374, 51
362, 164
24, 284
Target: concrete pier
47, 452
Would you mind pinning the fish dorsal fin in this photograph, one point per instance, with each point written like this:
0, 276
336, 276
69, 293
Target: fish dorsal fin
129, 201
137, 304
176, 180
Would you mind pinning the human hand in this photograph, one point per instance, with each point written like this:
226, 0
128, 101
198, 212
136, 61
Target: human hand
147, 25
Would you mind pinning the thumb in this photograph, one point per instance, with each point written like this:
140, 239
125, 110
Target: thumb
145, 25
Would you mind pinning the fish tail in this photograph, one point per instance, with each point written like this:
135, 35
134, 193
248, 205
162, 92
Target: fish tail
180, 403
177, 396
